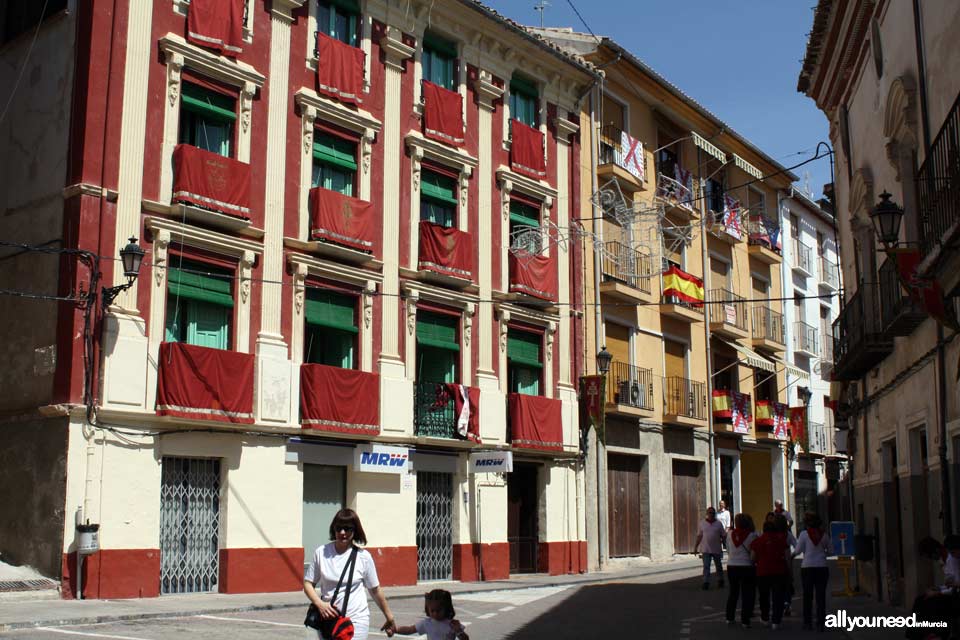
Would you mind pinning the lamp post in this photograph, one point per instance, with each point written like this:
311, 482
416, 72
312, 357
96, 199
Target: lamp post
887, 216
132, 257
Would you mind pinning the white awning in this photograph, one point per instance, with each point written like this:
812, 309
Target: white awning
713, 150
753, 359
747, 167
792, 370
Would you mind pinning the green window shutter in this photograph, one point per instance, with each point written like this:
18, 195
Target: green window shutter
436, 364
329, 346
438, 331
525, 380
173, 325
207, 325
331, 310
209, 104
524, 348
186, 284
335, 151
438, 187
524, 214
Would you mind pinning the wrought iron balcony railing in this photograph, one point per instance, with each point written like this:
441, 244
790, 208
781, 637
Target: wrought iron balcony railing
768, 324
938, 182
626, 265
674, 191
805, 338
683, 397
817, 438
630, 385
899, 313
802, 257
829, 273
728, 308
433, 411
859, 342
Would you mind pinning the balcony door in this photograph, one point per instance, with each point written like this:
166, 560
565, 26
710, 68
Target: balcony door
523, 515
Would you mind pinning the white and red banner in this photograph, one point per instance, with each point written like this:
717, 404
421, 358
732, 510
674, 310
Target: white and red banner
339, 69
211, 181
740, 417
632, 150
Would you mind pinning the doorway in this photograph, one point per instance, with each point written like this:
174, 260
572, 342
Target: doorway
523, 515
324, 494
687, 503
627, 512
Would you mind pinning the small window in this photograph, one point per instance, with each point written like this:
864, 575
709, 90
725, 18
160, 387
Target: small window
438, 347
24, 15
757, 203
438, 200
715, 193
524, 362
207, 119
667, 162
524, 98
439, 61
339, 19
199, 305
334, 163
524, 227
331, 331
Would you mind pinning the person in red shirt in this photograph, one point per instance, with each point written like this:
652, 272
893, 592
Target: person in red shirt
771, 552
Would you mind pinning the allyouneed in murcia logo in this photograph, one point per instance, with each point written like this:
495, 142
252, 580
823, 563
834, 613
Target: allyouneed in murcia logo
841, 620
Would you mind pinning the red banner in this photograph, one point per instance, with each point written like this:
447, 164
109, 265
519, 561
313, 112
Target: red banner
535, 422
442, 114
341, 219
925, 292
217, 24
203, 383
526, 150
339, 400
466, 404
533, 275
592, 397
339, 69
211, 181
445, 250
798, 423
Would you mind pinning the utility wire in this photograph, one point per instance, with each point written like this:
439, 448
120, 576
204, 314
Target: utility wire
26, 60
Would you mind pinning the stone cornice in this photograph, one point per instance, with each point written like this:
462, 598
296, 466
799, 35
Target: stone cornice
178, 50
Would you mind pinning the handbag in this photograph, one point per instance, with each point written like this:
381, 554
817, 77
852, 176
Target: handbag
340, 627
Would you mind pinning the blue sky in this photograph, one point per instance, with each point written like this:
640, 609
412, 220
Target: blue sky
738, 58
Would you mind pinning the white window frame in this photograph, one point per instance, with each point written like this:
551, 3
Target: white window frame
366, 29
413, 293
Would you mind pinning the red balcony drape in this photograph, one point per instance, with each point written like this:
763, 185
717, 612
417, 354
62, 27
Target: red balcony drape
466, 404
341, 219
535, 422
339, 69
340, 400
216, 24
211, 181
526, 150
442, 114
203, 383
534, 275
445, 250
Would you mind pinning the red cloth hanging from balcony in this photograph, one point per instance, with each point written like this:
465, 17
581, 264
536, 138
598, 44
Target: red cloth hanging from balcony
341, 219
217, 24
467, 410
203, 383
339, 69
535, 422
533, 275
442, 114
211, 181
340, 400
445, 250
526, 150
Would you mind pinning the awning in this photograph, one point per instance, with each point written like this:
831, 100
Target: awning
704, 144
747, 167
753, 359
792, 370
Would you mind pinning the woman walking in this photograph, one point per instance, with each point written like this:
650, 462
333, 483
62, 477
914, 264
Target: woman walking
771, 552
740, 569
327, 575
815, 546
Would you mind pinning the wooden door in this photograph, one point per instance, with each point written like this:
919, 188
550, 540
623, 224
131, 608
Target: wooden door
686, 504
675, 359
618, 342
625, 508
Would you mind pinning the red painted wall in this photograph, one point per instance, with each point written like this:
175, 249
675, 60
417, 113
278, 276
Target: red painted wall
495, 559
113, 573
395, 565
261, 570
557, 558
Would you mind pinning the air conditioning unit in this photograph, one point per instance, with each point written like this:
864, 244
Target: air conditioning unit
629, 393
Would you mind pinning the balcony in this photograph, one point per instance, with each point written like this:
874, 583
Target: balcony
859, 343
339, 400
826, 356
817, 439
535, 422
899, 313
763, 240
214, 190
728, 314
684, 402
771, 419
533, 276
435, 413
621, 158
675, 192
202, 383
629, 389
446, 254
526, 151
805, 339
731, 411
626, 272
768, 329
341, 225
802, 259
726, 225
829, 275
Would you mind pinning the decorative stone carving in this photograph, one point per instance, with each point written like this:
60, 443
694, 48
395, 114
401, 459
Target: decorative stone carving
487, 91
416, 158
465, 175
395, 51
366, 149
174, 67
309, 117
468, 314
246, 104
368, 293
504, 319
506, 188
284, 9
299, 287
551, 335
160, 243
411, 304
246, 265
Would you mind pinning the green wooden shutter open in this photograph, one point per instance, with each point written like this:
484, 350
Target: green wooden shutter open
336, 151
438, 187
524, 348
330, 309
438, 331
185, 283
207, 325
524, 214
435, 364
208, 103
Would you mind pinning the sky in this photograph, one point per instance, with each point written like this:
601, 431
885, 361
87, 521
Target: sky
738, 58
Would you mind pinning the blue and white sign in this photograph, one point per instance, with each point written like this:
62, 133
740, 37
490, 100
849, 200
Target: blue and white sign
491, 462
841, 536
378, 458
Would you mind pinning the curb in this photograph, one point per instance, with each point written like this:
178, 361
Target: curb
507, 586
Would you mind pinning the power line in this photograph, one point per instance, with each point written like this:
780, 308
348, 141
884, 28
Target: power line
570, 2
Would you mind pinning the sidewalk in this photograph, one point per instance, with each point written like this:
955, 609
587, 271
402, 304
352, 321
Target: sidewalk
33, 613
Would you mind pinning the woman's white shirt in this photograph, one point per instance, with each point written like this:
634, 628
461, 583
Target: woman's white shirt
324, 572
740, 556
814, 555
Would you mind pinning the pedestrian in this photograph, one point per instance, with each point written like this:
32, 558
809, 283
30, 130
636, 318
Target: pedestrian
778, 510
724, 517
740, 569
781, 524
940, 603
814, 545
441, 622
709, 536
771, 552
328, 570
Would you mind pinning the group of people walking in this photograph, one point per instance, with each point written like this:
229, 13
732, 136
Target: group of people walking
762, 563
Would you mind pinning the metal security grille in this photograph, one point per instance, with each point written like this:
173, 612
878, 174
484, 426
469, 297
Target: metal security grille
189, 525
434, 525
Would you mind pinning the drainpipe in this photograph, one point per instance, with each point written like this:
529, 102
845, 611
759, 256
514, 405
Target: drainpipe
785, 476
705, 259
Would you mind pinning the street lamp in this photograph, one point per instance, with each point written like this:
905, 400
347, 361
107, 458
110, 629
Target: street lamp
604, 358
132, 257
887, 216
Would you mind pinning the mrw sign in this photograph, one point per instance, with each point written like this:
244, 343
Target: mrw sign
491, 462
377, 458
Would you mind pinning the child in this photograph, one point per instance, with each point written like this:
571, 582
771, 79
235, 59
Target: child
440, 623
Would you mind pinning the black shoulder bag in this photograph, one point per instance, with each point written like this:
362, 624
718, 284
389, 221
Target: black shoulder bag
340, 627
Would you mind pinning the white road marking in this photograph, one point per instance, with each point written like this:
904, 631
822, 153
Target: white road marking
507, 608
486, 615
514, 596
270, 622
81, 633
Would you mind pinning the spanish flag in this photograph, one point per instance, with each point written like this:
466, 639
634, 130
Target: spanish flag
682, 285
722, 405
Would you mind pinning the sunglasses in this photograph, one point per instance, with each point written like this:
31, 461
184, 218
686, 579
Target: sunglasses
346, 528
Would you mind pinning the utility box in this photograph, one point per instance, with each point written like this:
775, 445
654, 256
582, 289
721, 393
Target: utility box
88, 538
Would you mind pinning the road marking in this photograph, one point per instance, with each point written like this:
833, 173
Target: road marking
81, 633
515, 596
507, 608
486, 615
270, 622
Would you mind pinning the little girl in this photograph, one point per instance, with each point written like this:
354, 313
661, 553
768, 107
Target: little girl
439, 623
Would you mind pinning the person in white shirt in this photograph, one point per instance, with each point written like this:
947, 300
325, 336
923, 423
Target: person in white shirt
814, 545
710, 533
724, 517
778, 510
740, 569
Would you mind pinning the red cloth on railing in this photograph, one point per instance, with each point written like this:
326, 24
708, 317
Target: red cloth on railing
341, 219
203, 383
533, 275
341, 400
217, 24
339, 69
526, 150
211, 181
467, 410
445, 250
442, 114
535, 422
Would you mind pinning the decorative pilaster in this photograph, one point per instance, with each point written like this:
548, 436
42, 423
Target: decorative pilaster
247, 91
308, 116
565, 129
299, 300
487, 93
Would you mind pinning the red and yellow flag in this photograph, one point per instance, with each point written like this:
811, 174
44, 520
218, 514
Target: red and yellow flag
682, 285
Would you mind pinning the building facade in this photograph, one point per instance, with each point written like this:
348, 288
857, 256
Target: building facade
882, 73
349, 296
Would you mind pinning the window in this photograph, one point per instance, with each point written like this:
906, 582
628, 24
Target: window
199, 305
757, 203
523, 101
207, 119
25, 15
438, 201
331, 332
673, 250
725, 373
667, 162
820, 248
334, 163
720, 274
339, 19
438, 347
524, 364
715, 195
439, 61
524, 227
765, 385
794, 227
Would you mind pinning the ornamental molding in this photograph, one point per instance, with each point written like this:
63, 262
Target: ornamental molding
161, 243
410, 304
439, 152
284, 9
510, 312
202, 238
463, 301
536, 188
360, 278
299, 287
361, 122
394, 50
565, 128
246, 269
487, 91
178, 51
